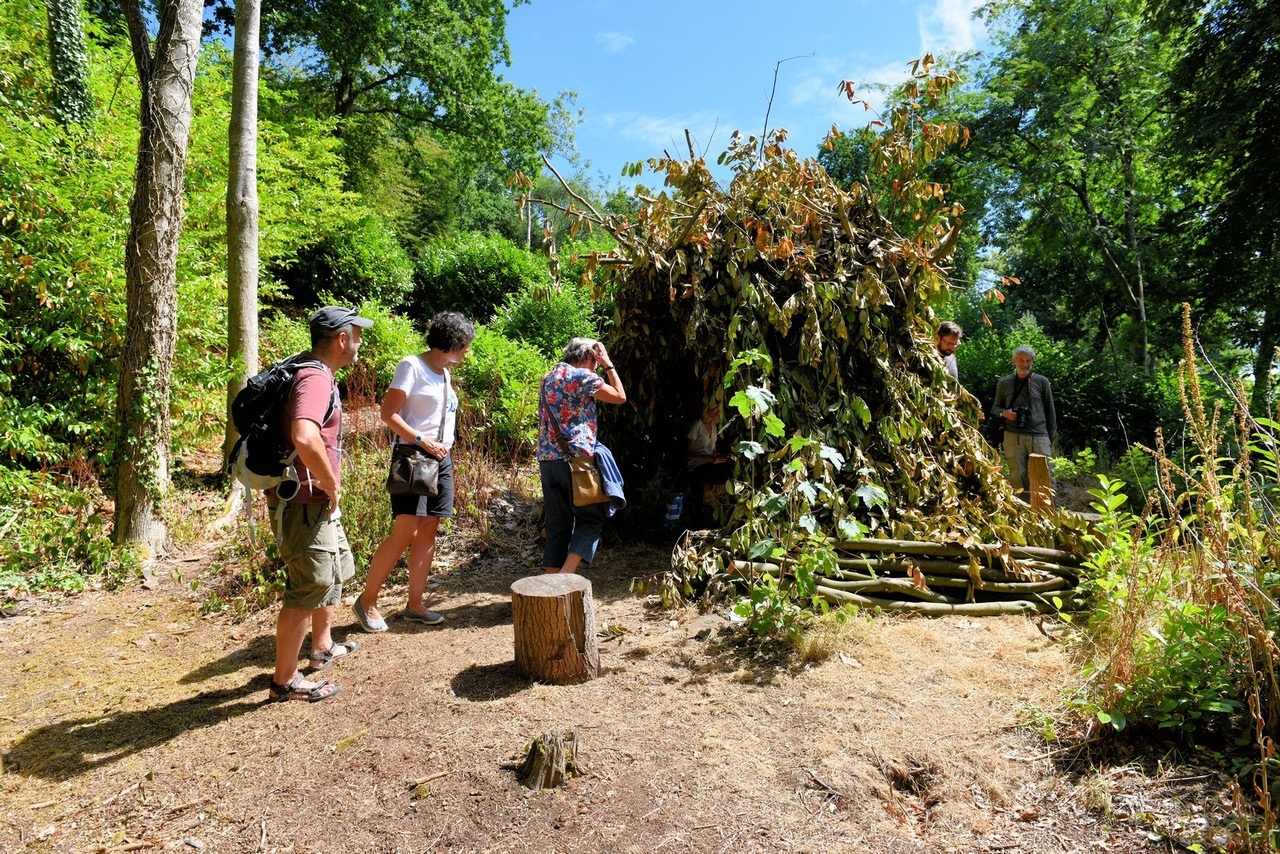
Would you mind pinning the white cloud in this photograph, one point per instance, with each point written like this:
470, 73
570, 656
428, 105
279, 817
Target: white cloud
654, 134
948, 26
614, 42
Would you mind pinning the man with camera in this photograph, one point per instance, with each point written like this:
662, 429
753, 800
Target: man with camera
1025, 401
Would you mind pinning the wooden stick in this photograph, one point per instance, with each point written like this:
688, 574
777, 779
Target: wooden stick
956, 550
427, 779
935, 609
890, 585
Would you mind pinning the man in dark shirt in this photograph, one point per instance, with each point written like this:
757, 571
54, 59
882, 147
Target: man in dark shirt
1025, 401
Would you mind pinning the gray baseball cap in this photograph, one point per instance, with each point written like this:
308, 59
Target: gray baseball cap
338, 317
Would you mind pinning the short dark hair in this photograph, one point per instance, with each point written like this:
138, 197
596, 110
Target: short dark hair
449, 331
947, 328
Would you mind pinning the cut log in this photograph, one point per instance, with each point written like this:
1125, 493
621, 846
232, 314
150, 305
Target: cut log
555, 628
1041, 485
552, 759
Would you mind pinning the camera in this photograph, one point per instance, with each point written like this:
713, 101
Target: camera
1023, 412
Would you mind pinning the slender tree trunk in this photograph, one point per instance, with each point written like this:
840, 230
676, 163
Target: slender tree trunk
242, 209
73, 103
1135, 258
151, 255
1260, 404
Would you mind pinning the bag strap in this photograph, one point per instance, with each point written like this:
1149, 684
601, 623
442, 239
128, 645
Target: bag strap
444, 407
564, 446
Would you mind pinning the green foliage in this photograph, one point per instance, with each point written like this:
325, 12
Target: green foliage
547, 316
63, 212
780, 534
1080, 468
385, 344
73, 104
1180, 668
472, 274
361, 260
54, 535
1181, 637
500, 381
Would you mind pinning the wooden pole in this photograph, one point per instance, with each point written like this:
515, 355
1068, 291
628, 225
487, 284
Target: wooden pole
1041, 485
555, 628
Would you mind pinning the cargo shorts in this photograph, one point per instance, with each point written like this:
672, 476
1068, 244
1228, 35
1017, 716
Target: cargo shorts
314, 547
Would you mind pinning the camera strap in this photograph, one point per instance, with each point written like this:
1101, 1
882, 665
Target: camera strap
1019, 386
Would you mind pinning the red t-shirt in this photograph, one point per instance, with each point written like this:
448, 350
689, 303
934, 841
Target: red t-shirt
310, 397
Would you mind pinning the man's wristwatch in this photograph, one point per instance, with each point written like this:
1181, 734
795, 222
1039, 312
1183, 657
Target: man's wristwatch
417, 440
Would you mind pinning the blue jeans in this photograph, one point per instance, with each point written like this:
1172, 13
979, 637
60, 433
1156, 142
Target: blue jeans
570, 529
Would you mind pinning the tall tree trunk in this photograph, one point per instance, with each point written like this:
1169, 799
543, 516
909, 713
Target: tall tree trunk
72, 103
242, 209
1261, 402
151, 256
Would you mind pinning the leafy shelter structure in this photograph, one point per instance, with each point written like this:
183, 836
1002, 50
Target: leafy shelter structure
796, 307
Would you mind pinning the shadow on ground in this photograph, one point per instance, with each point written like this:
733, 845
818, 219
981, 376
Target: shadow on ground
66, 749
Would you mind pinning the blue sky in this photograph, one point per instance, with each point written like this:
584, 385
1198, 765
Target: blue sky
645, 71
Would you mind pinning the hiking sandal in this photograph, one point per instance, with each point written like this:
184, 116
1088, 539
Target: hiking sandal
313, 693
323, 658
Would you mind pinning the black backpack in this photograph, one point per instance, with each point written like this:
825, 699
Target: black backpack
263, 454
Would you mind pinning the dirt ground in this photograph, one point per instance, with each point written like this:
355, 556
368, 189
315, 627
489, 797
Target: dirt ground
129, 722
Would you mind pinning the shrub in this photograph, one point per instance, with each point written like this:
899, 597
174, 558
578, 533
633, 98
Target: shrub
56, 533
361, 261
547, 317
500, 381
472, 274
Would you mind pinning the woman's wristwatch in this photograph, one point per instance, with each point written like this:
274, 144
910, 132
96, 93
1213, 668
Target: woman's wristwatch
417, 440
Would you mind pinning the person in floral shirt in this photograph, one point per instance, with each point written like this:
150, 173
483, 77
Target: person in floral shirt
567, 428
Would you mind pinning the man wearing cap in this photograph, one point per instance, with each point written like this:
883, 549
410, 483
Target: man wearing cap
308, 527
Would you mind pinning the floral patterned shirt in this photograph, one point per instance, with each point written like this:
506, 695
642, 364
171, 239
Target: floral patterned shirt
567, 412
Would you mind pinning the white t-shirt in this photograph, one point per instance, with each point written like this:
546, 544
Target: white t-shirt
424, 391
701, 440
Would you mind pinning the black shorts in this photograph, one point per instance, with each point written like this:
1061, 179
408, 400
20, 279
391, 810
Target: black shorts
440, 504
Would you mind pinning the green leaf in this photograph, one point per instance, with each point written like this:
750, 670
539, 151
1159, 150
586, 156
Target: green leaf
832, 456
871, 495
849, 529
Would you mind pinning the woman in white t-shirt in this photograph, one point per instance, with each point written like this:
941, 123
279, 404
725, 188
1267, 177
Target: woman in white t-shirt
420, 407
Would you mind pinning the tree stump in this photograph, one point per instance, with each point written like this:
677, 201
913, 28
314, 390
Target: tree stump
555, 628
552, 759
1041, 485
